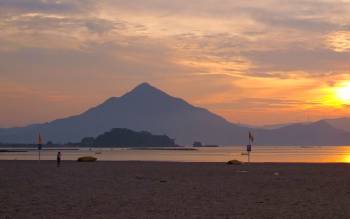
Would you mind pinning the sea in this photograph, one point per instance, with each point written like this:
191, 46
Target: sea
310, 154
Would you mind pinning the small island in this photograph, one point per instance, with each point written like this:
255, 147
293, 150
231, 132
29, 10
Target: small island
121, 137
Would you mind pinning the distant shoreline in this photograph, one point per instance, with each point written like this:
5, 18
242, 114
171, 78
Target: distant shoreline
12, 151
162, 148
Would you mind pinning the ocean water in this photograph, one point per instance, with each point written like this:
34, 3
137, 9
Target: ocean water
322, 154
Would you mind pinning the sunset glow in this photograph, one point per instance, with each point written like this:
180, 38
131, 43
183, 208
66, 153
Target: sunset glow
245, 60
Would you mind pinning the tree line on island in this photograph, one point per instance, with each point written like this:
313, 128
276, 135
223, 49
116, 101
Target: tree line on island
121, 137
116, 137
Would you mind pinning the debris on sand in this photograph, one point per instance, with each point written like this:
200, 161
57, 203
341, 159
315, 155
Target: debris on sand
234, 162
87, 159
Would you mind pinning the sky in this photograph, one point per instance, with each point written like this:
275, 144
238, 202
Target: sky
253, 62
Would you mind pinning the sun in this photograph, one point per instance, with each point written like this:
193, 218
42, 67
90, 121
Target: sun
343, 93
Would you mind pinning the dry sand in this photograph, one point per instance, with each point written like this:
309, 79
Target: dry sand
29, 189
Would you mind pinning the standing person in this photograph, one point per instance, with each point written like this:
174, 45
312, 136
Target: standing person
58, 159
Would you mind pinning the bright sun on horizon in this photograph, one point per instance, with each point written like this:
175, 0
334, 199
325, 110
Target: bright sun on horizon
343, 93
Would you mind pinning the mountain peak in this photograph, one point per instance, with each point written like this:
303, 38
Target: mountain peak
144, 87
144, 84
145, 90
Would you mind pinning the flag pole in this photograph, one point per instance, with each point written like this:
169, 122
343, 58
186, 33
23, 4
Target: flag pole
39, 146
249, 146
249, 151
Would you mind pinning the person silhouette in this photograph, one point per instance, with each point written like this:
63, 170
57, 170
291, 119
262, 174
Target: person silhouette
58, 159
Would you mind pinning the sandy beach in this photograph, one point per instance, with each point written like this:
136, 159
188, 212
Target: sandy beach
29, 189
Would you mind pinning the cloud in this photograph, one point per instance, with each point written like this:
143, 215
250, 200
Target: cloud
59, 6
232, 48
339, 41
308, 61
264, 103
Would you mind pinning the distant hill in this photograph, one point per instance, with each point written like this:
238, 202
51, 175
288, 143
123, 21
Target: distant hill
128, 138
340, 123
317, 133
148, 108
277, 126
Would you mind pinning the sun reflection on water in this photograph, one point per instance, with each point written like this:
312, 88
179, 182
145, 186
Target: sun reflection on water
345, 158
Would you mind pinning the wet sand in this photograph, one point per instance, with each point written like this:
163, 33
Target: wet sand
29, 189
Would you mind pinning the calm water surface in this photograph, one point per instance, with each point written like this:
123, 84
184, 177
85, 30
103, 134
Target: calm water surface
220, 154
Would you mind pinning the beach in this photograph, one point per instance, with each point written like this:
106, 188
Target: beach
33, 189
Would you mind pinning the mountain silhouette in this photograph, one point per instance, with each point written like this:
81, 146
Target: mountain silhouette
146, 108
340, 123
304, 134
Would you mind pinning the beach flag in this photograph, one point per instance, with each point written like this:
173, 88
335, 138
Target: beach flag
251, 137
40, 140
